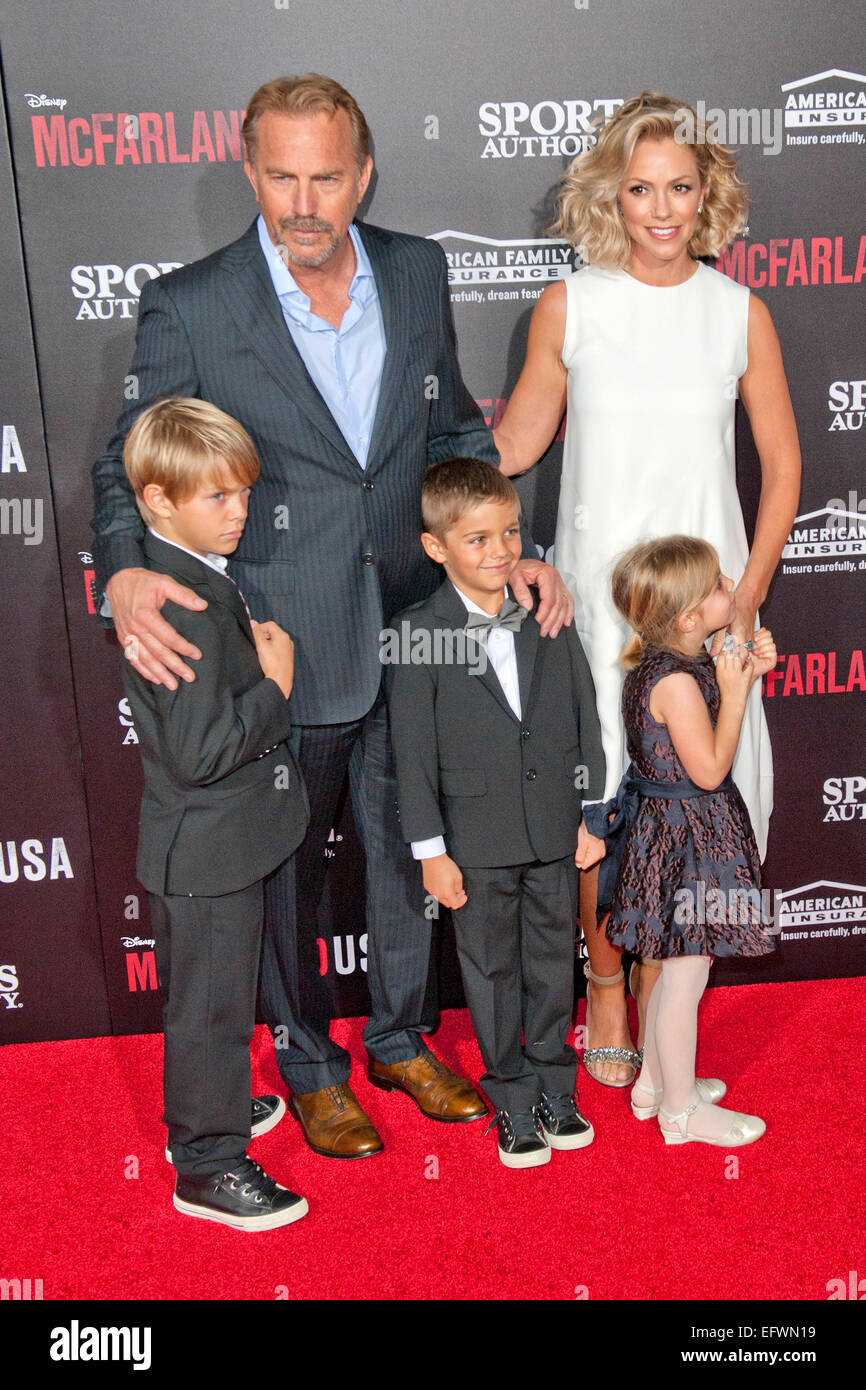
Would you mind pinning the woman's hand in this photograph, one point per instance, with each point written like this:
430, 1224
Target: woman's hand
537, 402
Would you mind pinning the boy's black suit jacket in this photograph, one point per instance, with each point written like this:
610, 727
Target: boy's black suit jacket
501, 790
215, 815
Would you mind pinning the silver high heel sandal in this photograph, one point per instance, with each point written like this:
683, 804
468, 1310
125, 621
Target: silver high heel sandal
622, 1056
745, 1129
709, 1088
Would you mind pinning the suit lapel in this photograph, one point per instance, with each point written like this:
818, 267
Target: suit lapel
394, 297
449, 606
258, 316
196, 574
529, 659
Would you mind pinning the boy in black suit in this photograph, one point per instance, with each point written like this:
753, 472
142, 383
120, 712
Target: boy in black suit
223, 805
495, 735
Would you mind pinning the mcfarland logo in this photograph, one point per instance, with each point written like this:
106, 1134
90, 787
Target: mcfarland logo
821, 909
817, 673
828, 108
144, 137
831, 540
784, 262
479, 266
548, 129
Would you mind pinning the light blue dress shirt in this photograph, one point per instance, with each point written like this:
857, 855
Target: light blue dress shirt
345, 363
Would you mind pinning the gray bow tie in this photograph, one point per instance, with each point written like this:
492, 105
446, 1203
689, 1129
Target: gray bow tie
510, 616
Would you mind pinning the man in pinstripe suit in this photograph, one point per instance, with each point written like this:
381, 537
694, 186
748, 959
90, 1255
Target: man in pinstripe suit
332, 342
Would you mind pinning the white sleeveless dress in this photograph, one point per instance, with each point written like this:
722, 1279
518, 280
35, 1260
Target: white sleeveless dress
649, 450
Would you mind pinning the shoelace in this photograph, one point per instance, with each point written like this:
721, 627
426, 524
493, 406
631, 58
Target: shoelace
558, 1107
519, 1126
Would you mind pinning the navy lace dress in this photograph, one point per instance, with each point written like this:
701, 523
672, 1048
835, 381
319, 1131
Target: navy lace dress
690, 878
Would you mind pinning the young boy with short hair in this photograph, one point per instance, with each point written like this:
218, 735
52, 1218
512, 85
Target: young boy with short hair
223, 805
495, 735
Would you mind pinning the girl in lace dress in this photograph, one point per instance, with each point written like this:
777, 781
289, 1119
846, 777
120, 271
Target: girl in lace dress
689, 885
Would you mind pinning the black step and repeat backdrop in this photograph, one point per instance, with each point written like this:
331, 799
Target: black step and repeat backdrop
126, 161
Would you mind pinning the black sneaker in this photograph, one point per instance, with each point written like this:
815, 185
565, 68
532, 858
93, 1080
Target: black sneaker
265, 1113
563, 1123
521, 1141
245, 1198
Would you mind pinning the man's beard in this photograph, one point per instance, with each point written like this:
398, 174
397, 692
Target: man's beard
307, 224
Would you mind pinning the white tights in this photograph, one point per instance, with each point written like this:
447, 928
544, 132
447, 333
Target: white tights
671, 1044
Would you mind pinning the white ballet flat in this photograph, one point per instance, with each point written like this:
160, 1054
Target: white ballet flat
744, 1129
709, 1088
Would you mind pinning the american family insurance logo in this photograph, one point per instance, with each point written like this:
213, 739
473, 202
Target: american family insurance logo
821, 909
61, 140
831, 540
481, 268
828, 108
547, 129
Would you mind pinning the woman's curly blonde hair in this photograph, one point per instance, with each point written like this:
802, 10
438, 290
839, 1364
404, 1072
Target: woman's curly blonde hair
588, 216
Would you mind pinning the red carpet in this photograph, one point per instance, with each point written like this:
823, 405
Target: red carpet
436, 1216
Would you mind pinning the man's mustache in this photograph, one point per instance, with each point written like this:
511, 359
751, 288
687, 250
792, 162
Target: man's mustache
304, 224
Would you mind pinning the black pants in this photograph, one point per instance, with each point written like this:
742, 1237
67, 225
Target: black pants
515, 941
296, 999
207, 952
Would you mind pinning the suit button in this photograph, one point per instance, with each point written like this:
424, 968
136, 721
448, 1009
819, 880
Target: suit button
531, 775
525, 733
367, 485
367, 558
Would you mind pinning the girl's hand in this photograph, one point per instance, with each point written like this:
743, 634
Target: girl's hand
765, 653
735, 672
590, 849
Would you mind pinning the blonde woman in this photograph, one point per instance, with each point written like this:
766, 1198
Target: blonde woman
649, 348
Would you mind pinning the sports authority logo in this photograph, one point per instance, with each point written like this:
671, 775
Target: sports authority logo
482, 268
112, 291
134, 138
822, 909
9, 987
847, 402
828, 108
548, 129
831, 540
845, 798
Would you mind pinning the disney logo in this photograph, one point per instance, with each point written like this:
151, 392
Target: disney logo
85, 557
42, 100
137, 941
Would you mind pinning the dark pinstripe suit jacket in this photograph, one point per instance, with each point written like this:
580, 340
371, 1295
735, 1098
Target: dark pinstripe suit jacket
330, 551
502, 790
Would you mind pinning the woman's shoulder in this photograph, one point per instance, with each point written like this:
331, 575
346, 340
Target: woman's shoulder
593, 280
722, 287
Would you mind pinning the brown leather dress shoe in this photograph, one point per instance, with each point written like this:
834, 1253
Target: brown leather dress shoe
335, 1125
438, 1093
